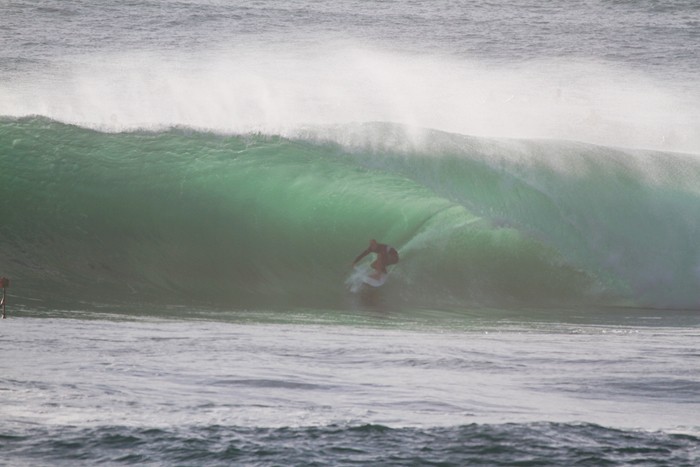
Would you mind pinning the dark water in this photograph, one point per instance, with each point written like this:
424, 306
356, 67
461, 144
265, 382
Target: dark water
508, 444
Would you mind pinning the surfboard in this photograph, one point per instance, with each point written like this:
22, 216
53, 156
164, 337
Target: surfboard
375, 281
364, 275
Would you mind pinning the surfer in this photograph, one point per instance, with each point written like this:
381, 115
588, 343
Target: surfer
4, 283
386, 256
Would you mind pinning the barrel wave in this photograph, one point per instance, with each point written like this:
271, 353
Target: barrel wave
179, 216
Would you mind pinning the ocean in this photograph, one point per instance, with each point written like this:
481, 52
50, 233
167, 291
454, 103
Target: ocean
185, 184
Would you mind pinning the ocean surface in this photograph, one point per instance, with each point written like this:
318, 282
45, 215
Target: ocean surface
184, 185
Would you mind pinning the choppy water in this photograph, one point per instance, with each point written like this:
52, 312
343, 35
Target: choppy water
320, 388
183, 185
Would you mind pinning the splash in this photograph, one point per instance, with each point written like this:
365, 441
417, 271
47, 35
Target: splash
282, 91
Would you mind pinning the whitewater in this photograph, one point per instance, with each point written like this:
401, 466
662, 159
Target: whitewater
184, 185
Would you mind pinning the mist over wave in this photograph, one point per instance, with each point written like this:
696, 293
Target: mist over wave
286, 89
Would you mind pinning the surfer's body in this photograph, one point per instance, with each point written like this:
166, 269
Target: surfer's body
386, 256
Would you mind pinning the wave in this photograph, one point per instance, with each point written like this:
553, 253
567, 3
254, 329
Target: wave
253, 221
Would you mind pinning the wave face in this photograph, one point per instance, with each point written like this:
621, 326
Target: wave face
255, 221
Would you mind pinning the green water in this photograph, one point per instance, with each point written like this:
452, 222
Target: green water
254, 221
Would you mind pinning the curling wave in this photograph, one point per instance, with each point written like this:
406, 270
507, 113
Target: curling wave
181, 216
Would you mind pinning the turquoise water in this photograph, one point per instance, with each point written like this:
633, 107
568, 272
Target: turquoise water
185, 217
